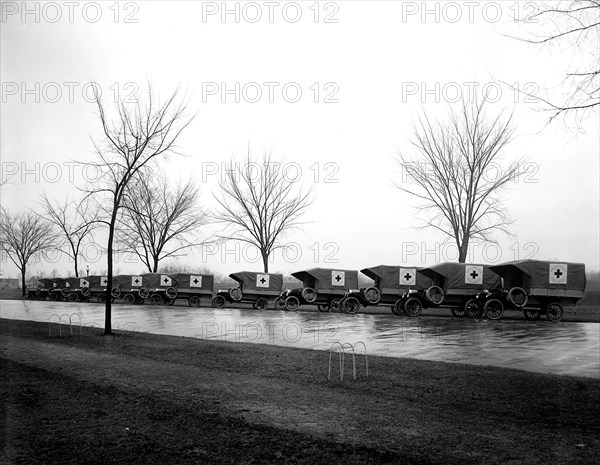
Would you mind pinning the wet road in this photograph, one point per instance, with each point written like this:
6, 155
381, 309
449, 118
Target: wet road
566, 348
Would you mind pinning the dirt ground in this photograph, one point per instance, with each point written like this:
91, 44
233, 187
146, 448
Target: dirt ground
142, 398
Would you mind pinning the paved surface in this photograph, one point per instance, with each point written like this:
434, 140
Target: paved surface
566, 348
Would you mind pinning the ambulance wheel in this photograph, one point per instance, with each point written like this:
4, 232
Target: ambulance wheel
494, 309
261, 303
398, 308
554, 312
532, 315
194, 301
334, 305
458, 312
350, 305
292, 303
413, 307
218, 301
473, 309
156, 299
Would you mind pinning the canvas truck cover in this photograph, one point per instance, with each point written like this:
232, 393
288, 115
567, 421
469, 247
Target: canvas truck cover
77, 283
57, 283
391, 279
195, 282
328, 278
129, 281
159, 280
538, 277
456, 278
253, 281
97, 281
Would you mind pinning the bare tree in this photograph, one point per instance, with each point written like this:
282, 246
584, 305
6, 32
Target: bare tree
573, 25
74, 220
159, 222
456, 175
24, 236
141, 133
260, 204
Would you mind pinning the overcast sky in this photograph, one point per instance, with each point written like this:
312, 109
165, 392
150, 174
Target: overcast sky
332, 88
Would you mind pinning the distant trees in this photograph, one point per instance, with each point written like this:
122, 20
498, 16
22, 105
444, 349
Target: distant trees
453, 172
575, 26
140, 134
258, 204
24, 236
159, 222
74, 220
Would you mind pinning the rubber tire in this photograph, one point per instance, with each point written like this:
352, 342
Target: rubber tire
554, 312
235, 294
511, 298
458, 312
351, 305
323, 308
398, 308
309, 294
219, 301
73, 297
115, 292
156, 299
469, 309
279, 303
144, 293
532, 315
292, 303
376, 295
194, 301
130, 299
85, 292
494, 309
171, 292
413, 307
435, 295
101, 298
334, 305
261, 303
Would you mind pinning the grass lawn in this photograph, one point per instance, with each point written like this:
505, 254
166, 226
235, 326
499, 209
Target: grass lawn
141, 398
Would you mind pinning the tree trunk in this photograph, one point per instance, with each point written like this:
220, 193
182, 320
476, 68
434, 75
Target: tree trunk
463, 251
109, 251
23, 281
76, 271
265, 257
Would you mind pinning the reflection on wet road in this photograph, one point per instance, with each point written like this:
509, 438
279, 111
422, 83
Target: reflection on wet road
565, 348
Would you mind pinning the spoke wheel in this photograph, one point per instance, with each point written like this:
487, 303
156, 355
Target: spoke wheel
156, 299
323, 308
280, 303
351, 305
413, 307
334, 305
473, 309
398, 308
554, 312
458, 312
493, 309
292, 303
261, 303
219, 301
194, 301
532, 315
